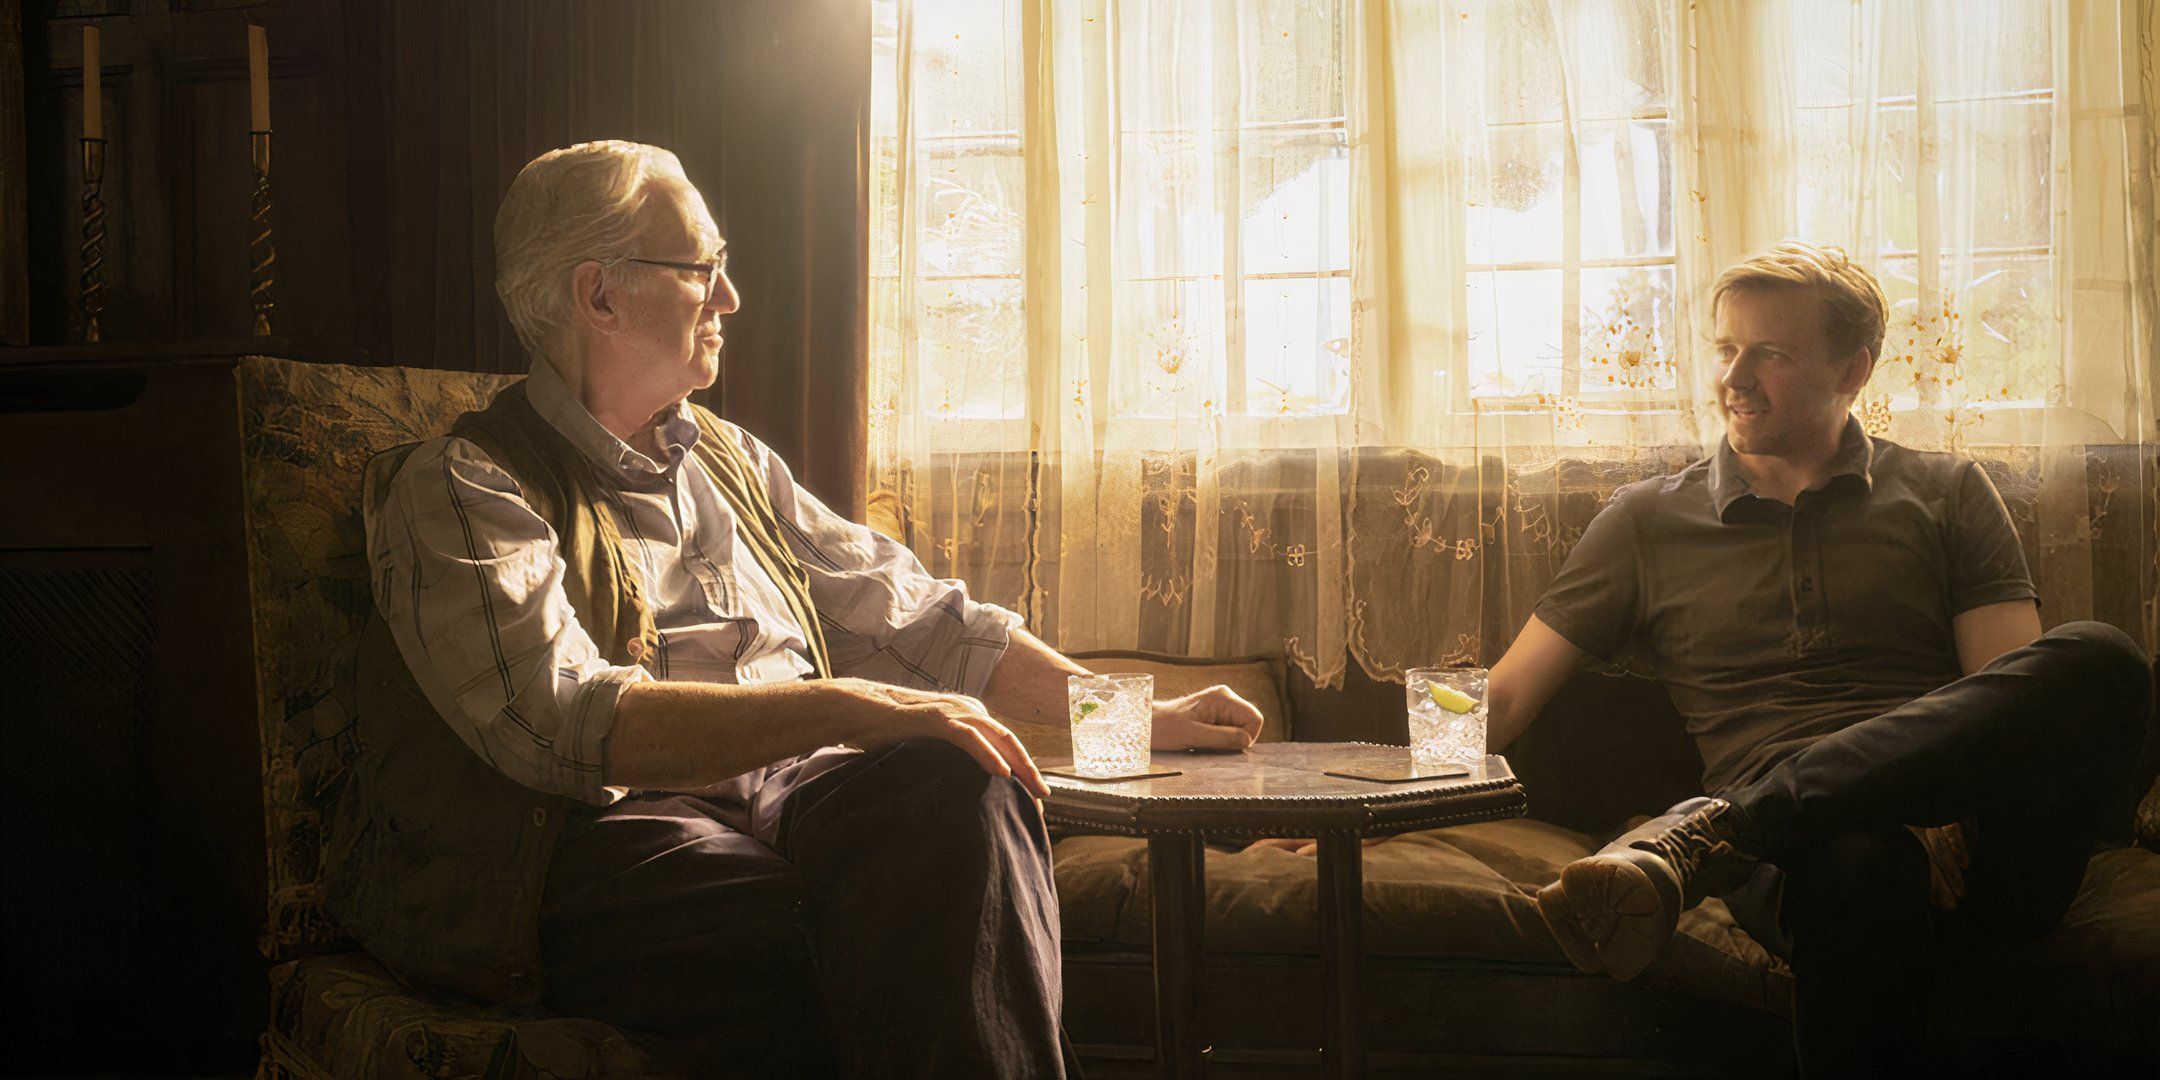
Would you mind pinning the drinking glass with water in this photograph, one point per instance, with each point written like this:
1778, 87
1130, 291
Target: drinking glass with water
1447, 716
1112, 721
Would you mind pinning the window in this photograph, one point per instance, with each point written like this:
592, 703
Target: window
1569, 217
1232, 210
950, 252
1212, 245
1924, 137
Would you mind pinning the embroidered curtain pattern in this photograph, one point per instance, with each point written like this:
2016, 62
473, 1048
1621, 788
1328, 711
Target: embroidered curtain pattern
1322, 327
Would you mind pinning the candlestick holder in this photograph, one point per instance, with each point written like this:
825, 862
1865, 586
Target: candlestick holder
262, 254
92, 279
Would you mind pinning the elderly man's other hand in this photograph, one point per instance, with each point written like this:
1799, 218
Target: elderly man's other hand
891, 714
1211, 719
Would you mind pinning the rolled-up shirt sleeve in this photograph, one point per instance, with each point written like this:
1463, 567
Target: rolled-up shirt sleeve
469, 579
885, 616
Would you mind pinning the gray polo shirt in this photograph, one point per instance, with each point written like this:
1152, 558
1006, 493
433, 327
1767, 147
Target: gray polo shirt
1774, 625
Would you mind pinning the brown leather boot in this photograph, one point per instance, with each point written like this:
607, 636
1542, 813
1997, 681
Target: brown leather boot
1613, 911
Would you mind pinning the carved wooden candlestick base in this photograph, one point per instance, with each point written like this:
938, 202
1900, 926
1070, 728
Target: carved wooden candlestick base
93, 239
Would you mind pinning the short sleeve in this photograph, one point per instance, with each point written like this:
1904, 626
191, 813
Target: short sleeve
1595, 602
1987, 564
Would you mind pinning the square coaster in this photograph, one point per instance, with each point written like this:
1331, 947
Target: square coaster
1401, 773
1071, 775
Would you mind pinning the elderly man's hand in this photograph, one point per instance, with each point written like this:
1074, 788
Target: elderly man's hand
1212, 719
889, 714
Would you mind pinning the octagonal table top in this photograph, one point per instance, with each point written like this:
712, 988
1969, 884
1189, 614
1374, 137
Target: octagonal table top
1281, 789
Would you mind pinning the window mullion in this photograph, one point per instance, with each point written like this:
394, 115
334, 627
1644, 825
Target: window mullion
1571, 257
1229, 193
1040, 269
1928, 266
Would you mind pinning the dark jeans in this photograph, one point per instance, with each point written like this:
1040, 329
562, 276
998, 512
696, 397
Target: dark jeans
906, 925
2035, 753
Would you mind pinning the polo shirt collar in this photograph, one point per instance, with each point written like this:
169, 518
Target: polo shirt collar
552, 399
1851, 469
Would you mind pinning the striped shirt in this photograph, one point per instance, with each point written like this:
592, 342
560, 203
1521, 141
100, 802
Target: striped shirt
469, 579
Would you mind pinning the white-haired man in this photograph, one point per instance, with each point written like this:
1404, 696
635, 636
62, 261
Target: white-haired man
651, 735
1848, 629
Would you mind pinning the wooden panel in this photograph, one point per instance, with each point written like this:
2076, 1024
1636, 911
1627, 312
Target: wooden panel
14, 177
127, 523
77, 643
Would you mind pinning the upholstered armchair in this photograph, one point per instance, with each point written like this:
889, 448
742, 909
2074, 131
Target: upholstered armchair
307, 430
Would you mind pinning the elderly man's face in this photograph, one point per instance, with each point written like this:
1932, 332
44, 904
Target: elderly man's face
672, 326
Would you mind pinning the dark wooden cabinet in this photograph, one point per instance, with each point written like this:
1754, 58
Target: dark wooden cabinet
131, 819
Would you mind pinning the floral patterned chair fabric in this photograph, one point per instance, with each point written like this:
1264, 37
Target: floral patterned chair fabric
343, 1015
307, 431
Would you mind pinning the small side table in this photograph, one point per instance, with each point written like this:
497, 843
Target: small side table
1270, 790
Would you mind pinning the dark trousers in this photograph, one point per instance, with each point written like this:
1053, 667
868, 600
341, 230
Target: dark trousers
2034, 753
902, 924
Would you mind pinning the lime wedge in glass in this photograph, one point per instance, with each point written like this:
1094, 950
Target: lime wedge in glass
1451, 699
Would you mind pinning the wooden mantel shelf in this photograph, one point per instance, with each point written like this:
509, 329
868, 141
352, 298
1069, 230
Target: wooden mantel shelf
129, 354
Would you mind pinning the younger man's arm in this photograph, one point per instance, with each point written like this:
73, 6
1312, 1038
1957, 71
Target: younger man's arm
1992, 600
1593, 607
1990, 630
1535, 667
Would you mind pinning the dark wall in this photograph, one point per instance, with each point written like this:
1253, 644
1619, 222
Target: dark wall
177, 173
398, 126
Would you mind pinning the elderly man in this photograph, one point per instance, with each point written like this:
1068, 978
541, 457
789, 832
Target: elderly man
651, 735
1848, 629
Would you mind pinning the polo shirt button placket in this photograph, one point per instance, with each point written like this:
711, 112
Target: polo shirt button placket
1807, 564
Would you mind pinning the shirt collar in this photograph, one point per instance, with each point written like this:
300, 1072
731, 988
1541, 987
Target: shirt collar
1852, 467
552, 399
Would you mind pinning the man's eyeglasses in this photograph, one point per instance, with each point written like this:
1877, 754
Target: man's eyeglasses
711, 270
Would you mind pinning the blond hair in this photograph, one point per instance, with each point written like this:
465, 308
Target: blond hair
565, 207
1856, 312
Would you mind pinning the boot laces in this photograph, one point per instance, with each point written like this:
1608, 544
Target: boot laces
1686, 845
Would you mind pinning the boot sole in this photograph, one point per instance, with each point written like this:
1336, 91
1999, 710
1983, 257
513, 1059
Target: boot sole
1618, 911
1552, 905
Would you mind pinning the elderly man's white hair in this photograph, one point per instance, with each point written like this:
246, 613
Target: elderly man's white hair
566, 206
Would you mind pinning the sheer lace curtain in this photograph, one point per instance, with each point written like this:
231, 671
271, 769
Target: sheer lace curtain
1321, 327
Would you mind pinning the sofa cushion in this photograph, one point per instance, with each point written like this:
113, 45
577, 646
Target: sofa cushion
344, 1015
2090, 985
1458, 892
1712, 957
1466, 892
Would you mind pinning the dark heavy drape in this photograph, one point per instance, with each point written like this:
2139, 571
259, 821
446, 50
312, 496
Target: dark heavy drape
765, 101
